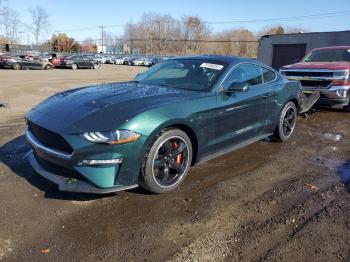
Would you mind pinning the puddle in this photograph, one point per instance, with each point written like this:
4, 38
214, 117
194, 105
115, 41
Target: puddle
331, 137
341, 167
344, 174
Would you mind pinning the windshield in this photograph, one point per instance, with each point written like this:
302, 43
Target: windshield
191, 74
328, 55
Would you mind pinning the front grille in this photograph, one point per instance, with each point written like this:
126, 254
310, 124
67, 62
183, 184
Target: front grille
59, 170
316, 84
308, 74
50, 139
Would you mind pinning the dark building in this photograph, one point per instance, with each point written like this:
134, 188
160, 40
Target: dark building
280, 50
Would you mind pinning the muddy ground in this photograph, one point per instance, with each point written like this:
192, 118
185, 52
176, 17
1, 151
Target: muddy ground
269, 201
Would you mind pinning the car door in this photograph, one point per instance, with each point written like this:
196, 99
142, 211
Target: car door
241, 115
36, 64
79, 61
25, 62
87, 61
273, 88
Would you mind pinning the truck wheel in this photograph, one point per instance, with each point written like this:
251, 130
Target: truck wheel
167, 161
347, 108
286, 123
16, 66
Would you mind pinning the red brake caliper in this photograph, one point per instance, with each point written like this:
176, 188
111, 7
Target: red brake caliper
179, 156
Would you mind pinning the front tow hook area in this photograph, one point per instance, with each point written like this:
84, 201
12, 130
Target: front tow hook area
307, 101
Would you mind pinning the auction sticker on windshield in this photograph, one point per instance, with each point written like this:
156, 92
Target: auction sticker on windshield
212, 66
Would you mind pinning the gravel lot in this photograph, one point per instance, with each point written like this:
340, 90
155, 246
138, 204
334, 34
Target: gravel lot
269, 201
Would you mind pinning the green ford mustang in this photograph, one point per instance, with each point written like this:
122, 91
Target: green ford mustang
149, 131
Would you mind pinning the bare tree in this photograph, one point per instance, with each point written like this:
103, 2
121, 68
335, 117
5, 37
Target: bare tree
40, 21
241, 42
89, 41
194, 29
3, 9
278, 30
12, 25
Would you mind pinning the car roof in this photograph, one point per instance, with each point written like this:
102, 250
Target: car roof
221, 58
343, 47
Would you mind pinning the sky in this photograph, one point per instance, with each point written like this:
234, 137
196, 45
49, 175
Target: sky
69, 15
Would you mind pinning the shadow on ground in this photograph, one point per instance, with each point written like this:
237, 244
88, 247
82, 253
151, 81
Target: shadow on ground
343, 172
13, 155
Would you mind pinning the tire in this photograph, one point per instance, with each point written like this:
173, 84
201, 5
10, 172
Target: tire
95, 66
74, 66
286, 122
48, 67
347, 108
161, 171
17, 66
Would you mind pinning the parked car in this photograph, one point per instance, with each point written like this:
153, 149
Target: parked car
3, 59
325, 70
149, 131
17, 62
152, 61
110, 59
78, 62
46, 57
56, 61
101, 59
121, 60
139, 61
130, 61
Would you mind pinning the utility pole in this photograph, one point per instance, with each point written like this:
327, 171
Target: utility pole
58, 40
102, 27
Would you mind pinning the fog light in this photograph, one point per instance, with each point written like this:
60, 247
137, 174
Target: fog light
100, 162
342, 93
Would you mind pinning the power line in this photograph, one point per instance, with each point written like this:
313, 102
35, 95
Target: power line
90, 28
322, 15
173, 40
290, 18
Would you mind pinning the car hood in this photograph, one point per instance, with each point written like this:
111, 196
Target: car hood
319, 65
105, 106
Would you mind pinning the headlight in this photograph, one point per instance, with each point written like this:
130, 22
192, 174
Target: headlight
112, 137
341, 74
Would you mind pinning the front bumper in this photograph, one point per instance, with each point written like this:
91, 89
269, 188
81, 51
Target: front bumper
8, 65
70, 174
70, 184
331, 97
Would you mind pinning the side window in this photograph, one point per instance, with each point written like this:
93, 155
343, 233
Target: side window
245, 73
268, 75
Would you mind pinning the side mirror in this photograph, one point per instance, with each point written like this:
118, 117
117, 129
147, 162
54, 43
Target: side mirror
237, 87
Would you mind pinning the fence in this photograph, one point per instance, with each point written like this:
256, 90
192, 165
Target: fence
13, 48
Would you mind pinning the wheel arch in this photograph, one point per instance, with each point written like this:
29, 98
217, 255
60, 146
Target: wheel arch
193, 137
296, 102
183, 127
